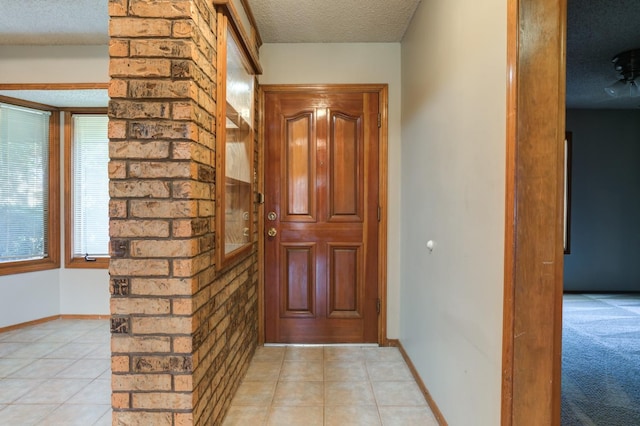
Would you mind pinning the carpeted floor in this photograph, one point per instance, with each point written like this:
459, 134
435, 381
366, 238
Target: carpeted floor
601, 360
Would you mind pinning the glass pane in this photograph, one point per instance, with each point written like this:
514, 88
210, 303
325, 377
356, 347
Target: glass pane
90, 185
24, 171
238, 155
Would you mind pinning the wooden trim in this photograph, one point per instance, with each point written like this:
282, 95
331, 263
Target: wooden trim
561, 63
52, 261
254, 25
510, 218
29, 323
533, 237
327, 88
27, 104
423, 388
261, 267
228, 10
224, 260
68, 173
21, 267
54, 191
85, 317
51, 318
80, 262
85, 110
70, 261
53, 86
221, 93
383, 91
383, 188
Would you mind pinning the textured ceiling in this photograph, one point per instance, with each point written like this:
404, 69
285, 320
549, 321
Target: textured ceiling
54, 22
332, 21
596, 31
279, 21
62, 98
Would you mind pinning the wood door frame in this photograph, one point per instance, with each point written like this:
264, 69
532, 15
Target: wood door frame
532, 324
382, 90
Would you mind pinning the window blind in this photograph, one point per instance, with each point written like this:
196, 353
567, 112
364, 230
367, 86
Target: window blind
24, 186
90, 185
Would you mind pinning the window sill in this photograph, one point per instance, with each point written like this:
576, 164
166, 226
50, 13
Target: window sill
10, 268
81, 263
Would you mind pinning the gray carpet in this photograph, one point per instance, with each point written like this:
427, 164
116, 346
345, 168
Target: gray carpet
601, 360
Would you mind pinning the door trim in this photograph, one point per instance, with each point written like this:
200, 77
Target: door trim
382, 90
534, 254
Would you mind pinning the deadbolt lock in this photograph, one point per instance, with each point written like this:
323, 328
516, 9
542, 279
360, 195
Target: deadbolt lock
272, 216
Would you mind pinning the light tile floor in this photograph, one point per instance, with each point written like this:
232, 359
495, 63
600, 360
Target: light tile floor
56, 373
330, 385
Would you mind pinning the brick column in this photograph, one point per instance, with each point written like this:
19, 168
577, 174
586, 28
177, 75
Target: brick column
182, 334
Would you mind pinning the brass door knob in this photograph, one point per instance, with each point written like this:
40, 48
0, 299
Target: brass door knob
272, 232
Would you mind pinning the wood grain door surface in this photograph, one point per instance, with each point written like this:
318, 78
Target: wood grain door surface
321, 206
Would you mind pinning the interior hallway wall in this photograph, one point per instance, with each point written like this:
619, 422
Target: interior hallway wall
453, 184
35, 295
352, 63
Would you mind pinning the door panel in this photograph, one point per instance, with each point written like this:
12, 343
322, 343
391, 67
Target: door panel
345, 281
345, 145
321, 183
299, 167
297, 286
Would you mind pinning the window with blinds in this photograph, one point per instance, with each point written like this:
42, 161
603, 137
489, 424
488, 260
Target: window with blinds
90, 180
24, 183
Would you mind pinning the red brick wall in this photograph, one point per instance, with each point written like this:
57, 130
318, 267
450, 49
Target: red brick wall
183, 333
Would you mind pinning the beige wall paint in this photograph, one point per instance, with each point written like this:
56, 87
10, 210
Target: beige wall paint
30, 296
453, 184
54, 64
311, 63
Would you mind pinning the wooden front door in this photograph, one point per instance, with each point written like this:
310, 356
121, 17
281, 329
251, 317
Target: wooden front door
321, 216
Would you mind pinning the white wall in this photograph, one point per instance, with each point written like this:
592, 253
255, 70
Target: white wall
453, 185
351, 63
84, 291
30, 296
